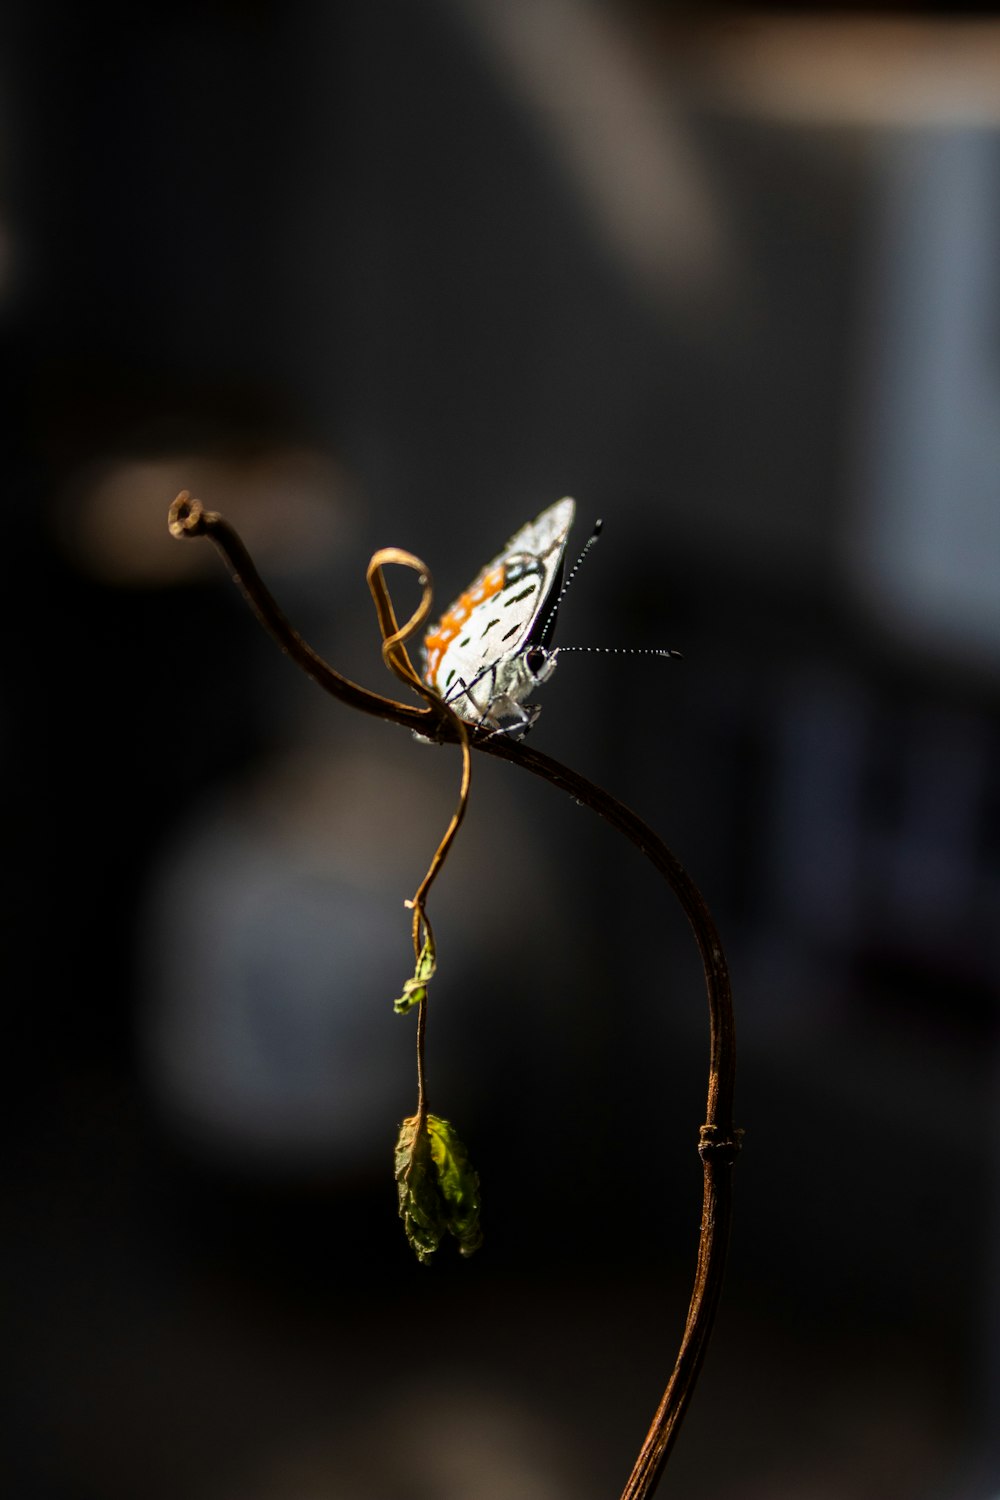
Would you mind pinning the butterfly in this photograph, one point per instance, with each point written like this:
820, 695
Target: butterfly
491, 648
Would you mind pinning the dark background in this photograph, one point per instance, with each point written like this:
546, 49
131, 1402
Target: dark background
405, 273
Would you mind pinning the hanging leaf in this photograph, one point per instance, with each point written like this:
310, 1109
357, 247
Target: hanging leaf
438, 1188
415, 989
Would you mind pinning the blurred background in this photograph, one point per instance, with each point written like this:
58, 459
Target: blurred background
405, 273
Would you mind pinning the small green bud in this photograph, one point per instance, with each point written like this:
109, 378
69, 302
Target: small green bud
415, 989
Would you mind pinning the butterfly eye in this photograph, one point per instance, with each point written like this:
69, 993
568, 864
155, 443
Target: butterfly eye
535, 659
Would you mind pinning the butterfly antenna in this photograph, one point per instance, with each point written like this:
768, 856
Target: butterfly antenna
550, 618
623, 650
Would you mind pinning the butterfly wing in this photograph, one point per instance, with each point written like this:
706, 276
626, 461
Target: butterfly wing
475, 656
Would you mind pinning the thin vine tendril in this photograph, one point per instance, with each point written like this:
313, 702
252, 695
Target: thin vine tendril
397, 659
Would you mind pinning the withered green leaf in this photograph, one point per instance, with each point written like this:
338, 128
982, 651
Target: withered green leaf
438, 1187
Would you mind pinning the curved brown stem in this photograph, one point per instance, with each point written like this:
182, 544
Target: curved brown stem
189, 518
719, 1140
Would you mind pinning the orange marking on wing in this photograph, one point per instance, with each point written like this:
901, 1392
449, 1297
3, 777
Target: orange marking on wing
440, 636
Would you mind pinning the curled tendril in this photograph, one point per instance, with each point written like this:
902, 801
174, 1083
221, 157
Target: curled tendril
397, 659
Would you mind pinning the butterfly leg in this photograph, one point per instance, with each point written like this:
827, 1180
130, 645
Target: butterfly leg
510, 717
503, 714
462, 689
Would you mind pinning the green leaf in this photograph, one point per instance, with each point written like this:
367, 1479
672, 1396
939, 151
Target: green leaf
438, 1188
415, 989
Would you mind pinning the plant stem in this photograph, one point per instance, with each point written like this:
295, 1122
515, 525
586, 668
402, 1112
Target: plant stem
719, 1140
189, 518
421, 1066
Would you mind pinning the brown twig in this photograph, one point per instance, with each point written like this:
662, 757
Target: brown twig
396, 658
719, 1140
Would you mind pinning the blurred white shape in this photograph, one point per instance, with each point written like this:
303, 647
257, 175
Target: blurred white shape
924, 548
855, 70
585, 76
272, 964
290, 504
272, 1026
429, 1437
276, 941
926, 543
